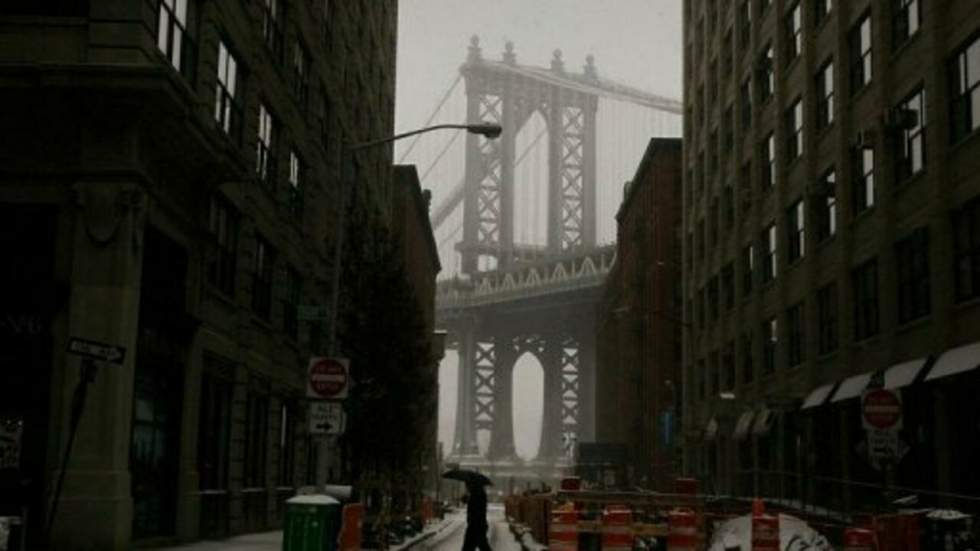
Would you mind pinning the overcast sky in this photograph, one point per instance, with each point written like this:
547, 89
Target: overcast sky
636, 42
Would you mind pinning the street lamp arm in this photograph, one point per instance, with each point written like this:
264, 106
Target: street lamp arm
488, 130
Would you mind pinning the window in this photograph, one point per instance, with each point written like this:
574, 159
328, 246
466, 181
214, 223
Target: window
764, 5
295, 191
713, 81
172, 37
301, 73
865, 279
701, 239
794, 131
729, 123
702, 297
827, 319
728, 52
748, 369
745, 22
966, 228
748, 269
821, 10
905, 20
825, 95
325, 113
864, 180
728, 206
768, 153
728, 285
860, 53
768, 239
794, 32
713, 145
745, 189
256, 438
273, 16
728, 367
745, 96
713, 303
213, 445
265, 160
290, 301
714, 221
223, 225
912, 264
770, 340
227, 109
262, 277
910, 125
767, 75
796, 337
825, 205
287, 444
795, 232
964, 87
703, 372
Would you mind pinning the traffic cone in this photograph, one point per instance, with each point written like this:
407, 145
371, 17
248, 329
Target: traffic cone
758, 507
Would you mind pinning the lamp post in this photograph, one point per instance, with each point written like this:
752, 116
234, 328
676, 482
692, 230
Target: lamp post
489, 131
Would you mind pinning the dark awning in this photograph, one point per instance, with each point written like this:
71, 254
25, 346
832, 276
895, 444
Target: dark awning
852, 387
743, 425
954, 361
818, 396
764, 421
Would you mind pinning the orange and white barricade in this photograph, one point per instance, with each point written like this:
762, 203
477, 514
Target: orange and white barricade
617, 528
859, 539
765, 532
563, 530
682, 530
352, 518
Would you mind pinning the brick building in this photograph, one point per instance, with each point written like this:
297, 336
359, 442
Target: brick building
831, 222
639, 325
169, 179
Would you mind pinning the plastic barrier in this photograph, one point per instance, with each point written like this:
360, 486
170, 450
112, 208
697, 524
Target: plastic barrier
617, 528
350, 529
898, 532
765, 532
859, 539
571, 484
686, 486
563, 530
682, 530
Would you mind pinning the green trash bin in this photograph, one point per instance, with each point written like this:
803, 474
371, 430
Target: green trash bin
312, 523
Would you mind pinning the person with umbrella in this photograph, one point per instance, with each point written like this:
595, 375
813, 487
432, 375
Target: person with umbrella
476, 508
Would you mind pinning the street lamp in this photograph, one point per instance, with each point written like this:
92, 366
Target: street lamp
487, 130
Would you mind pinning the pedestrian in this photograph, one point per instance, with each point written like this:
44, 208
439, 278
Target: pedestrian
476, 518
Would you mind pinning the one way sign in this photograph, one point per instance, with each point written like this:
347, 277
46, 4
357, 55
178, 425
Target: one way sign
326, 418
96, 350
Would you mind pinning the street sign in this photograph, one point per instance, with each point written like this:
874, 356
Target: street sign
326, 418
881, 409
327, 378
311, 312
96, 350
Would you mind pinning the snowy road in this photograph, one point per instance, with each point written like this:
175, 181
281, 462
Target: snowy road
500, 537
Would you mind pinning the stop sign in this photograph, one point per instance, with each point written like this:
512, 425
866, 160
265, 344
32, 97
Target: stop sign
881, 408
327, 378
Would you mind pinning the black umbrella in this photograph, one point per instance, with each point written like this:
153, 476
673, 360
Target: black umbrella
467, 476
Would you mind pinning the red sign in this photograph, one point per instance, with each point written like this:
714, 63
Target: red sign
881, 408
327, 378
765, 533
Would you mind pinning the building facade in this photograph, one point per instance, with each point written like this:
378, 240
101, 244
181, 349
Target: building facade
169, 187
639, 321
830, 233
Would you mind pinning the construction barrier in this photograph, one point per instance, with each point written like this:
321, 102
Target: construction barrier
350, 528
617, 528
563, 530
897, 532
859, 539
682, 530
686, 486
765, 532
571, 484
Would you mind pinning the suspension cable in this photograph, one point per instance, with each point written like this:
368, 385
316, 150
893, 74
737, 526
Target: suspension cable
432, 117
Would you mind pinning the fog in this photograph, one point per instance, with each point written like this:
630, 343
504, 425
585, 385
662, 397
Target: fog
635, 42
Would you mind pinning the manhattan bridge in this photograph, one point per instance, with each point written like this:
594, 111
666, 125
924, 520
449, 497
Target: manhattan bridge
525, 226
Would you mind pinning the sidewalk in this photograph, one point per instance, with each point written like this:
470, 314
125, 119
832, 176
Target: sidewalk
272, 541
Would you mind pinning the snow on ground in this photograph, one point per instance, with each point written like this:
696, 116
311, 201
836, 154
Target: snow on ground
794, 535
500, 537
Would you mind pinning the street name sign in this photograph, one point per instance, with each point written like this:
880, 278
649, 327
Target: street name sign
96, 350
327, 378
326, 418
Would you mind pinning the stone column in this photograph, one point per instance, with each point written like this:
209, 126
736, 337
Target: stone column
95, 511
502, 438
464, 442
551, 425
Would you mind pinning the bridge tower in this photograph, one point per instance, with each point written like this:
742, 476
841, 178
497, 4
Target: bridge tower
560, 336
